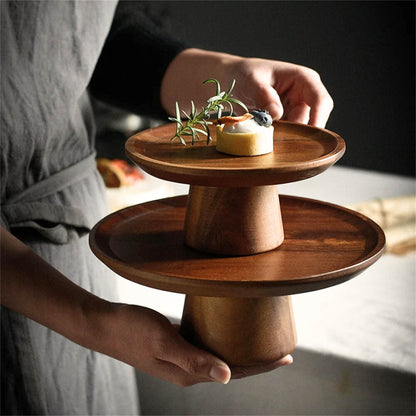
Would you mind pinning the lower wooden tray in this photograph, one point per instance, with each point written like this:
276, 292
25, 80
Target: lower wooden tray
324, 245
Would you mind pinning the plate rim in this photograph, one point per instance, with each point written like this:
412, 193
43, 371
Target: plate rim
206, 287
230, 176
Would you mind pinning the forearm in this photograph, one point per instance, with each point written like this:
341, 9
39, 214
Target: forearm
184, 77
138, 336
32, 287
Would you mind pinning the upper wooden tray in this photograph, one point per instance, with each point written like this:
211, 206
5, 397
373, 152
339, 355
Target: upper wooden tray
300, 152
324, 245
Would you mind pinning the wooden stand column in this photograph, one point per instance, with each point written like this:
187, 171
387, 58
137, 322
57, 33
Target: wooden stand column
242, 331
233, 221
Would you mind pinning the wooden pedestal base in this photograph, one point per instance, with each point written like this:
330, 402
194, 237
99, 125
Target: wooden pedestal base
241, 331
252, 323
233, 221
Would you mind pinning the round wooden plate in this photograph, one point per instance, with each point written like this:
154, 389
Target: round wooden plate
324, 245
300, 152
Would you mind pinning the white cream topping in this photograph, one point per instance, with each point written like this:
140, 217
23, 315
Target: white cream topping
246, 126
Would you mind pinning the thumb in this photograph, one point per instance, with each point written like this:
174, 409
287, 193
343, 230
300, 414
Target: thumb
197, 363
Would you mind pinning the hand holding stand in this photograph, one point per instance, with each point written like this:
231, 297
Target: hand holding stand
246, 250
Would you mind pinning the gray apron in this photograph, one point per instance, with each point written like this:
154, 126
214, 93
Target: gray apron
51, 196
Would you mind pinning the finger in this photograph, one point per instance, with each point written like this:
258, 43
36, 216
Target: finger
196, 363
298, 113
320, 103
246, 371
176, 375
320, 111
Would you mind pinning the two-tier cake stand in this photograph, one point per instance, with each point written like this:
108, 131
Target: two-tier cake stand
235, 247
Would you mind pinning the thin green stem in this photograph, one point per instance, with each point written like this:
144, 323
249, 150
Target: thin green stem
196, 123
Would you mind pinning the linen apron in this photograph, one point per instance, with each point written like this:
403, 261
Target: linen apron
51, 196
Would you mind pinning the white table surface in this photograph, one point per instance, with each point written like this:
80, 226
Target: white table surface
372, 317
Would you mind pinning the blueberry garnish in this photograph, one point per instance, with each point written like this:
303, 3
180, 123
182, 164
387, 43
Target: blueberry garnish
262, 117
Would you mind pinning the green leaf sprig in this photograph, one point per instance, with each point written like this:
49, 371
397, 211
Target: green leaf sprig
195, 123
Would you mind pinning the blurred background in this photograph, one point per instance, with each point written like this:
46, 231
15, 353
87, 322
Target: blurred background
364, 52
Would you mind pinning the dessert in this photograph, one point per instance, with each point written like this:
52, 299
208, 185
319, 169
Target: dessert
247, 135
198, 122
128, 185
117, 173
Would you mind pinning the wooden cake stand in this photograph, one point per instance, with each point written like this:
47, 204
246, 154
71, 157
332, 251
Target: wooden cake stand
233, 246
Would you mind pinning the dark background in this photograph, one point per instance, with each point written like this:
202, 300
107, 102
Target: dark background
364, 52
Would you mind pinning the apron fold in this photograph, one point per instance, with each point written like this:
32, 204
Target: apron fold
50, 219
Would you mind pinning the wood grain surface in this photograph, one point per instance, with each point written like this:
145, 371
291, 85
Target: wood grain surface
300, 152
324, 245
233, 221
242, 331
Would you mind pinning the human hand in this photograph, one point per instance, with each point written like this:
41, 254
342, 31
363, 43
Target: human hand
147, 340
288, 91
